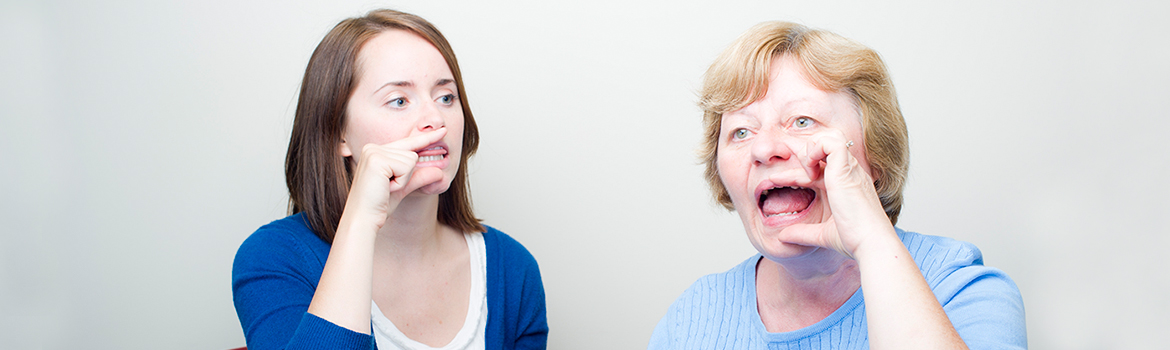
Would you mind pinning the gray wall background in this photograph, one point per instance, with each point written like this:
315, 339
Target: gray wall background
142, 141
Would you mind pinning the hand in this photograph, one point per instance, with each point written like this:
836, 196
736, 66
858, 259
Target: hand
385, 174
854, 212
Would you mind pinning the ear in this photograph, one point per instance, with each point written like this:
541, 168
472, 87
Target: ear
343, 149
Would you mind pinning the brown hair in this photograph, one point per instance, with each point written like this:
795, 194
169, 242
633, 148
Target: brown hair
741, 73
318, 177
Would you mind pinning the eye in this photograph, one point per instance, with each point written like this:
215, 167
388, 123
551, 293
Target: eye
397, 103
448, 99
740, 134
802, 122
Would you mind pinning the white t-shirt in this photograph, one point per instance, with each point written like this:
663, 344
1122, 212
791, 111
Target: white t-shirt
471, 336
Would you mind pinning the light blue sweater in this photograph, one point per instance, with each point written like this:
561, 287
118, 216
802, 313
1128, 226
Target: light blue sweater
719, 310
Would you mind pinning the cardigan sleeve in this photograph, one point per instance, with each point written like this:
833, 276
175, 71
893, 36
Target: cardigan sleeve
516, 304
274, 277
533, 321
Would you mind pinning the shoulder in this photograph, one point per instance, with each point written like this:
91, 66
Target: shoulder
727, 296
504, 247
982, 302
938, 255
711, 293
950, 266
283, 243
735, 279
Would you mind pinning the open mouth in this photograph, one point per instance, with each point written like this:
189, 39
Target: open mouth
785, 201
434, 152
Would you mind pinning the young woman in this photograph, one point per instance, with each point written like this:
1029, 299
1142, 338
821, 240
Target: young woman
382, 247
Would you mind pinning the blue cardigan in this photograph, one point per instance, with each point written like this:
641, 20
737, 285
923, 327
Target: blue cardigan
277, 268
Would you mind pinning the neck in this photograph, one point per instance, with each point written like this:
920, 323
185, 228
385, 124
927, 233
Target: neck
798, 292
412, 232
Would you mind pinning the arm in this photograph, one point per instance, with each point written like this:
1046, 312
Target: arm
901, 310
661, 338
384, 175
516, 306
534, 323
287, 299
272, 282
983, 304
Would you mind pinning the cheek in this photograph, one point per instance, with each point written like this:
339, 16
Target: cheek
454, 136
375, 131
734, 175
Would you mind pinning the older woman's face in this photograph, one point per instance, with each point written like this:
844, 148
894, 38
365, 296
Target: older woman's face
761, 148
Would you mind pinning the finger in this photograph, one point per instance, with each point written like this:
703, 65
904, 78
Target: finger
832, 149
810, 161
823, 146
418, 142
400, 165
401, 179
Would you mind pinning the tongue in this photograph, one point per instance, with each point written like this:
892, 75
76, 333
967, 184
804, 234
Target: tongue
786, 200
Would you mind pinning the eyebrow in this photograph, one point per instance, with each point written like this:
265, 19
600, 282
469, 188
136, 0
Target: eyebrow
407, 83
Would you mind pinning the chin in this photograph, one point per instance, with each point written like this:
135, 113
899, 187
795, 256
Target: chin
789, 251
435, 188
764, 231
775, 250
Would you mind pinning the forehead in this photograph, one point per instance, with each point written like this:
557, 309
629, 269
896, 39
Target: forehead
790, 92
400, 55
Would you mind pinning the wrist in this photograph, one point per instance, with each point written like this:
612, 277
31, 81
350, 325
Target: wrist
356, 225
884, 243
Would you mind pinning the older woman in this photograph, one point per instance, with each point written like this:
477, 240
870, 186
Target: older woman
382, 248
805, 141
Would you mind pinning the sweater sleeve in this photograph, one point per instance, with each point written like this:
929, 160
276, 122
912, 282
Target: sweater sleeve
983, 303
663, 337
274, 277
516, 306
985, 307
533, 323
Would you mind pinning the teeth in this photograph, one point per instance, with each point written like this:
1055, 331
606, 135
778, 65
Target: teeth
783, 214
430, 158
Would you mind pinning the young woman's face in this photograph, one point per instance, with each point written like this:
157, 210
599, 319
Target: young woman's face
404, 88
761, 147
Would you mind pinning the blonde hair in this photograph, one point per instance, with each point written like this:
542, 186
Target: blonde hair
740, 76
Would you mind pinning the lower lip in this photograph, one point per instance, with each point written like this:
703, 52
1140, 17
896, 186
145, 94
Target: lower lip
785, 220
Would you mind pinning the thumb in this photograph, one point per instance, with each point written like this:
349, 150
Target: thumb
819, 235
422, 177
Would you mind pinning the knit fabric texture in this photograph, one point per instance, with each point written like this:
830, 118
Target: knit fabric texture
719, 310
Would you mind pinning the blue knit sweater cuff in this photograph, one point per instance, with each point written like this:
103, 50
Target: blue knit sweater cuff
316, 333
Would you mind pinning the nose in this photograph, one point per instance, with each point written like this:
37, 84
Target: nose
773, 146
431, 118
